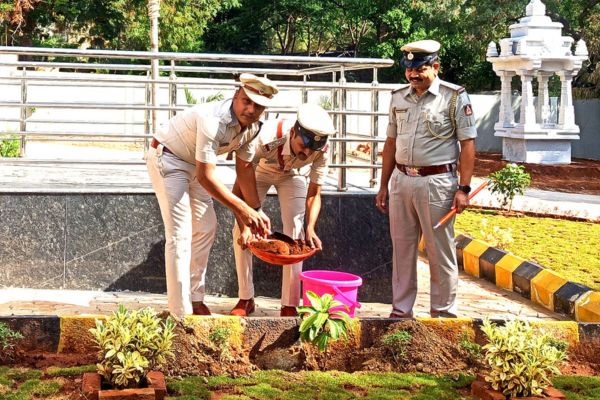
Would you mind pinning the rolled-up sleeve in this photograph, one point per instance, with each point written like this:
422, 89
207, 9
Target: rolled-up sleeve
319, 167
207, 140
465, 119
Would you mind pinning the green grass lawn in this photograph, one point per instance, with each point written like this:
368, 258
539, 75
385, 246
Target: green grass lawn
32, 384
571, 248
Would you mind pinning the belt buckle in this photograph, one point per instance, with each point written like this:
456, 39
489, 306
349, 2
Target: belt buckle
412, 171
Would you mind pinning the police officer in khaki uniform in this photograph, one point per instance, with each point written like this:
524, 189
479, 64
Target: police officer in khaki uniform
430, 137
181, 163
289, 154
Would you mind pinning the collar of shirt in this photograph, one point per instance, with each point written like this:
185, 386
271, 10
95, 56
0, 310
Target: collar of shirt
434, 88
287, 148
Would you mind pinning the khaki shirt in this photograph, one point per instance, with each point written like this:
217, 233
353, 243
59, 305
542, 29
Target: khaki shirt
266, 154
206, 130
422, 126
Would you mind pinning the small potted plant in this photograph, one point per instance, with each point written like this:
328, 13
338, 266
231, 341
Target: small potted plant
132, 344
521, 362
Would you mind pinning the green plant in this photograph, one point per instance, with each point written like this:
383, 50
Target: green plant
397, 343
473, 349
190, 99
131, 344
320, 323
521, 360
325, 102
9, 146
219, 335
559, 344
8, 337
496, 236
508, 182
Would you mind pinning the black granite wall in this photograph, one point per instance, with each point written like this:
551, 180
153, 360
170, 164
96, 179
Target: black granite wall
115, 242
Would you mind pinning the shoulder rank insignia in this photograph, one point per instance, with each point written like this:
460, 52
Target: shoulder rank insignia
274, 144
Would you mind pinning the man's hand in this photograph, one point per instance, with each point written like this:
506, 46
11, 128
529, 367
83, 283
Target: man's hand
461, 201
257, 221
312, 239
381, 199
246, 237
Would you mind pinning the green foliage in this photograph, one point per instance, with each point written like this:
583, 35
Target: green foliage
9, 147
189, 97
131, 344
8, 337
558, 344
70, 371
219, 336
473, 349
496, 236
325, 102
320, 323
397, 343
508, 182
521, 360
193, 386
569, 248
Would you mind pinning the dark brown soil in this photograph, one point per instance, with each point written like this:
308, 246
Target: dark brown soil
581, 176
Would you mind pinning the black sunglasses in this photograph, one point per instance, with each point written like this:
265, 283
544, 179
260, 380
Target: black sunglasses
309, 139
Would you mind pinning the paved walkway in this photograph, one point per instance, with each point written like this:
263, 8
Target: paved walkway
477, 298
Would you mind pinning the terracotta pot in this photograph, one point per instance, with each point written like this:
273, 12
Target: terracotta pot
482, 390
156, 389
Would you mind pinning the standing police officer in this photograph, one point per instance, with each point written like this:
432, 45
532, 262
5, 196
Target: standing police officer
289, 153
181, 163
430, 137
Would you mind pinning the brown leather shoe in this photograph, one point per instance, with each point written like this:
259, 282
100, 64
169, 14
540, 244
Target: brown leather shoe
199, 308
243, 308
288, 311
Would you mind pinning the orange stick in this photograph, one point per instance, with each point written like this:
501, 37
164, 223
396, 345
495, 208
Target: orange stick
452, 211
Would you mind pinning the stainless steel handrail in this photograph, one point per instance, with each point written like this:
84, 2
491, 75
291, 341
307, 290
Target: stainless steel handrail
140, 128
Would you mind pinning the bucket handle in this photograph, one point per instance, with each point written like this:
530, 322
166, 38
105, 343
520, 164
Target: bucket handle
339, 292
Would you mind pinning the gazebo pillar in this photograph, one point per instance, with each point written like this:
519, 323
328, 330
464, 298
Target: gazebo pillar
542, 113
506, 114
527, 115
566, 116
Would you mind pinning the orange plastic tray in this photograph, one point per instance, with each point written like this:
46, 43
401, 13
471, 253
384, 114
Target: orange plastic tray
279, 259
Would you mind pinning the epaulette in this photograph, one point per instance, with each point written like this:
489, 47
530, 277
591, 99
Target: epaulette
274, 144
403, 86
452, 86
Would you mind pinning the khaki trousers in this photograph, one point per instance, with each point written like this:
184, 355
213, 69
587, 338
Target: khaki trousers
416, 204
291, 191
190, 226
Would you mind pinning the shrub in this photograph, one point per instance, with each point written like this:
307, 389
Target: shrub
320, 323
131, 344
496, 236
218, 336
9, 146
521, 360
8, 338
473, 349
397, 343
508, 182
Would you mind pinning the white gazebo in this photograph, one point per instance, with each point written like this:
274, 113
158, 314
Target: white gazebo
536, 49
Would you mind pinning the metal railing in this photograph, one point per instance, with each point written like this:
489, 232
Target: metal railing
45, 70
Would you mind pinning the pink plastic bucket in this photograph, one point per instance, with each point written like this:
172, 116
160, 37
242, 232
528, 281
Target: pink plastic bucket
342, 285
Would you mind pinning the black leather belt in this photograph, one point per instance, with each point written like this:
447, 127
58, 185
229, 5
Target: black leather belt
155, 144
425, 171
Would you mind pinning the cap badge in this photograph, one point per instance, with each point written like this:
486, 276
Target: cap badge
317, 138
410, 56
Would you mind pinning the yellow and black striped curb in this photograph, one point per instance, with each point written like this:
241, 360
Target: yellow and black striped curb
530, 280
70, 335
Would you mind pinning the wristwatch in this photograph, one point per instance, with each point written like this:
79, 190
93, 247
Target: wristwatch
464, 188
